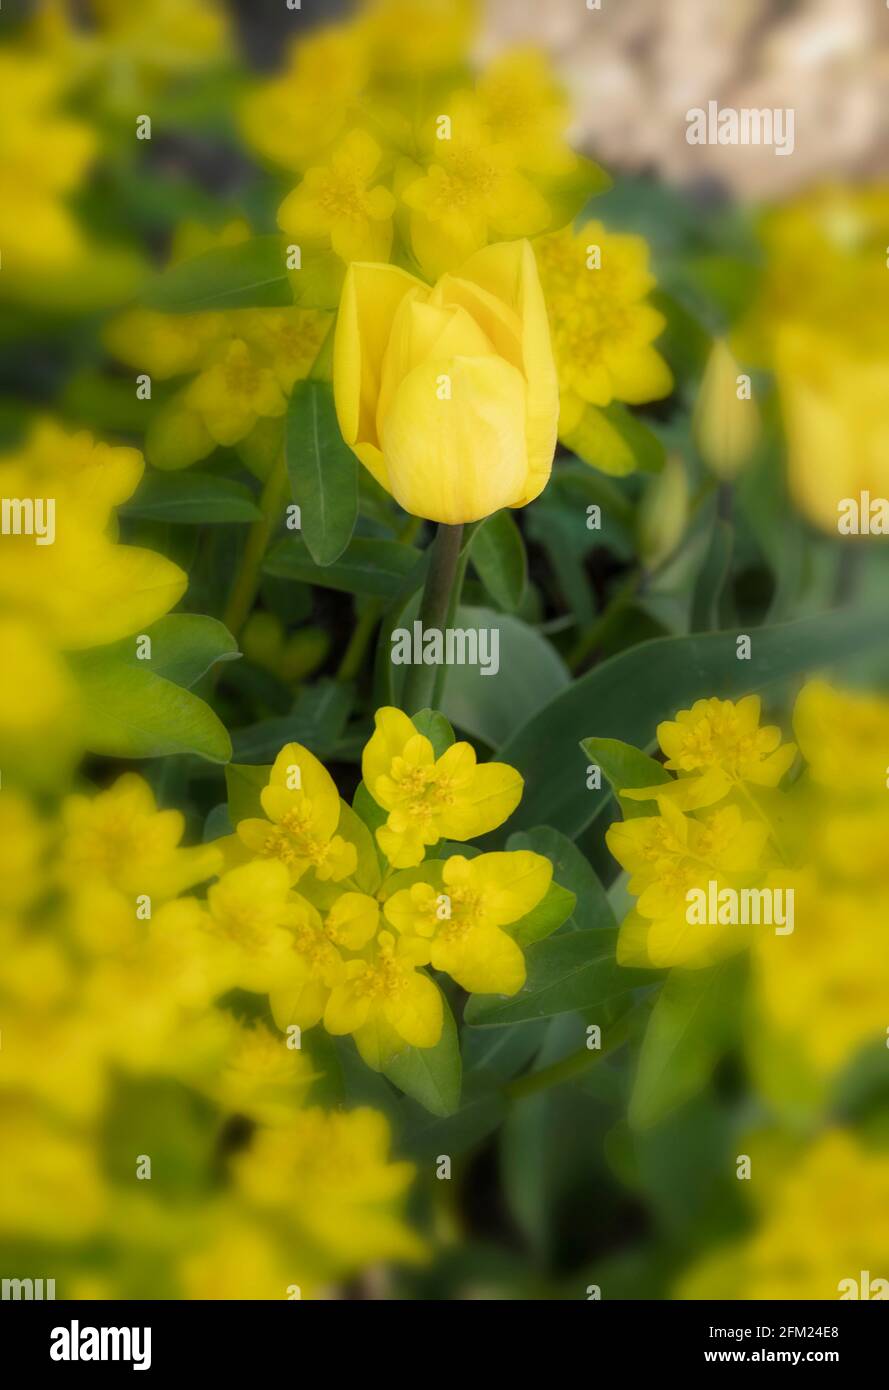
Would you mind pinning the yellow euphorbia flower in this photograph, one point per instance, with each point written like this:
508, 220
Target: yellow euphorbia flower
844, 737
329, 1176
290, 339
836, 970
164, 345
231, 394
385, 1001
407, 37
250, 912
317, 942
464, 918
44, 154
294, 118
43, 693
429, 798
448, 395
823, 1223
471, 193
339, 204
603, 328
23, 843
715, 746
303, 806
526, 111
241, 1260
666, 856
263, 1078
120, 838
83, 589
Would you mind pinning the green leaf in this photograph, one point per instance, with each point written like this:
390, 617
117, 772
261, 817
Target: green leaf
184, 646
375, 568
323, 471
129, 712
243, 783
625, 766
573, 871
432, 1076
529, 673
498, 554
611, 439
549, 914
436, 728
576, 970
251, 275
694, 1019
191, 498
481, 1111
317, 719
632, 692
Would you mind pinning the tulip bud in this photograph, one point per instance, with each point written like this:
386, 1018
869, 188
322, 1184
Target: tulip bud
663, 513
449, 395
725, 424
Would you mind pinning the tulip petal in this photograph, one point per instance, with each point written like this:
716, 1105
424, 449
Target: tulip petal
371, 295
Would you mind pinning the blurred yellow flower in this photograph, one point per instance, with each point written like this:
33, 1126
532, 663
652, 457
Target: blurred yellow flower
823, 1223
448, 396
596, 285
667, 856
263, 1077
329, 1177
429, 798
472, 192
121, 839
235, 391
295, 118
44, 155
341, 205
844, 737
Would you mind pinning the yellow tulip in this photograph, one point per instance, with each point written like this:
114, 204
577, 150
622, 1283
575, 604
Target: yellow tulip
448, 395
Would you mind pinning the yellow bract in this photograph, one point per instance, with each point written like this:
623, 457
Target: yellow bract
448, 396
463, 919
429, 798
303, 807
341, 205
596, 285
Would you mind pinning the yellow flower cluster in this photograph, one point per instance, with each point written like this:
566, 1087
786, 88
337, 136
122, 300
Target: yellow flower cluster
429, 183
110, 988
723, 820
65, 582
819, 322
596, 285
241, 365
469, 163
44, 156
823, 1230
336, 925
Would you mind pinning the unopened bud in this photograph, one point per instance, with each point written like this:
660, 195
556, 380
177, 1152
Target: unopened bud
663, 512
725, 423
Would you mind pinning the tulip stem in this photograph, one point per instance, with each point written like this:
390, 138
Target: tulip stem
447, 564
